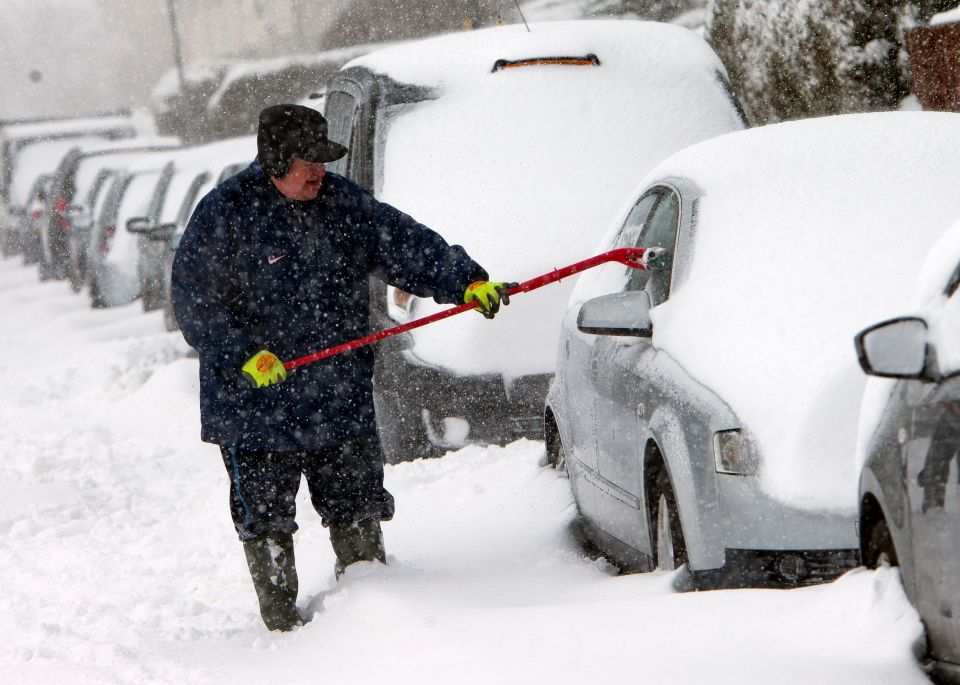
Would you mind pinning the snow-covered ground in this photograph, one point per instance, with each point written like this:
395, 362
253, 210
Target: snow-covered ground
118, 561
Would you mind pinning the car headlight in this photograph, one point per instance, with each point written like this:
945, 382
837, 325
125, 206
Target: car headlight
732, 453
400, 304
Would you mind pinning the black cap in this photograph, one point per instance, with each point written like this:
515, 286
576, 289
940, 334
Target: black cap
287, 132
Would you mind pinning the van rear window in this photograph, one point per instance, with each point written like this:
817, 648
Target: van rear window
590, 60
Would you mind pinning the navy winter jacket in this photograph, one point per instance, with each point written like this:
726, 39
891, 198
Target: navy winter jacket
255, 271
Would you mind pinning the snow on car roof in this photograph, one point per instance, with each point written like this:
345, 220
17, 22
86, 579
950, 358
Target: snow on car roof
218, 153
114, 157
37, 129
526, 167
268, 67
211, 158
808, 232
40, 157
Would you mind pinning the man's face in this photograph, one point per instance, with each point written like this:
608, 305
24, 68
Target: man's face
302, 182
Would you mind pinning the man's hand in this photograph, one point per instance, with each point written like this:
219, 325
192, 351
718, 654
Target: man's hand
263, 369
488, 295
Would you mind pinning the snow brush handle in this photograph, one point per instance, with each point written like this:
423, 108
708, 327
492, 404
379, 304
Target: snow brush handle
636, 257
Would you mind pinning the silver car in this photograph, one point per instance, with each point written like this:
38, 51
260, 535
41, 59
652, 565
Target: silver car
706, 411
909, 490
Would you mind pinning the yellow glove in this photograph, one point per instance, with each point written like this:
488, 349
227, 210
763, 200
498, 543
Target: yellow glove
263, 369
488, 295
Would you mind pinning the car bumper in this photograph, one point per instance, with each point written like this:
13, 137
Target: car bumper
785, 568
495, 409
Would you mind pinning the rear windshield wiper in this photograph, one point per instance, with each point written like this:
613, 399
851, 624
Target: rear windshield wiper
590, 60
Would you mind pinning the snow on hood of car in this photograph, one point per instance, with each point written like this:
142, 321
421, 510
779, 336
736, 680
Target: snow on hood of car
526, 167
808, 232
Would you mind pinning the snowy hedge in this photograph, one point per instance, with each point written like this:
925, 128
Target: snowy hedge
790, 59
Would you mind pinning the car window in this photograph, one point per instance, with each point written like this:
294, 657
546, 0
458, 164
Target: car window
341, 111
659, 230
633, 226
95, 187
613, 277
190, 199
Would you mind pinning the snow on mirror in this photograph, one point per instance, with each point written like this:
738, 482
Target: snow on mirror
626, 313
897, 348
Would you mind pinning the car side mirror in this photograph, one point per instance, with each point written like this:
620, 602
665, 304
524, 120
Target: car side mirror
625, 313
896, 348
139, 224
163, 232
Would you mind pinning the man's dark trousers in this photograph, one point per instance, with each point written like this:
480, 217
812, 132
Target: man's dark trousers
345, 482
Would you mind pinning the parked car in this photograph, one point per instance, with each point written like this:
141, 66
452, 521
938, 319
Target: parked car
23, 229
706, 411
184, 175
34, 159
71, 181
909, 489
90, 191
518, 146
112, 256
16, 137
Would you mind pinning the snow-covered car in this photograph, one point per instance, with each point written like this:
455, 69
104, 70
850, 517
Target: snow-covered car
35, 158
176, 192
17, 137
72, 180
517, 145
113, 252
81, 214
706, 411
910, 435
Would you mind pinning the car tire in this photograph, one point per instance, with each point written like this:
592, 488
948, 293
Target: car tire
96, 297
403, 436
666, 535
77, 272
169, 318
880, 550
556, 452
150, 299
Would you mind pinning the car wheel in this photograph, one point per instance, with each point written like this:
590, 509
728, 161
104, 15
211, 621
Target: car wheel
76, 271
667, 543
169, 318
880, 550
96, 297
556, 452
402, 433
560, 460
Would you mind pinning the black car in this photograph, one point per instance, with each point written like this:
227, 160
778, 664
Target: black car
910, 482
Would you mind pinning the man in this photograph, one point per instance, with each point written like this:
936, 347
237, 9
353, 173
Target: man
274, 264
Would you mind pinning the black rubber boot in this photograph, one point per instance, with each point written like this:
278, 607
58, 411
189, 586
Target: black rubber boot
353, 542
274, 573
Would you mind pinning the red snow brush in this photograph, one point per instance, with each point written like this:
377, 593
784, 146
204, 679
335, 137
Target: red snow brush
635, 257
